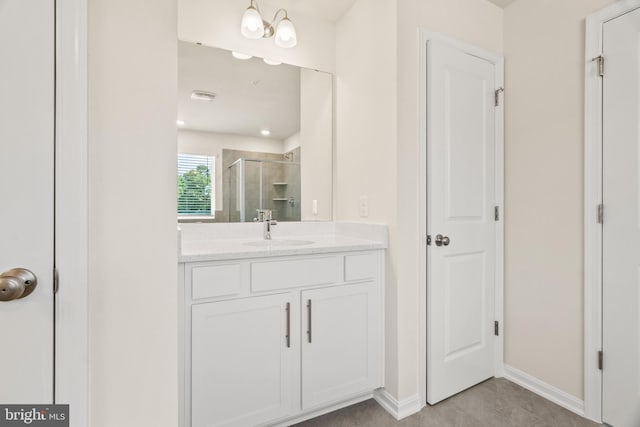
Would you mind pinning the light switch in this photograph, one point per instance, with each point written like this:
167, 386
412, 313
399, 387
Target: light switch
363, 206
315, 208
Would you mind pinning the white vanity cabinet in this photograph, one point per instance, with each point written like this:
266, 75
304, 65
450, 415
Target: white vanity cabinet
341, 351
276, 340
242, 363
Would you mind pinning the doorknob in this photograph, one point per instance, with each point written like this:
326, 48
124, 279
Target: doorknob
17, 283
442, 240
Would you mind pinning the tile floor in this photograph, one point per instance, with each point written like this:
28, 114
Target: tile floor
493, 403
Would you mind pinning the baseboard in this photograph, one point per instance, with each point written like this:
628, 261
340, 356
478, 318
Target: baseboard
545, 390
397, 409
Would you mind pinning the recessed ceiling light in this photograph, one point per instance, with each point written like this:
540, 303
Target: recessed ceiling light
180, 122
272, 61
202, 95
239, 55
265, 132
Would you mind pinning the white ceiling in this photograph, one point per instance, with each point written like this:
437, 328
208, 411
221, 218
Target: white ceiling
251, 95
502, 3
331, 10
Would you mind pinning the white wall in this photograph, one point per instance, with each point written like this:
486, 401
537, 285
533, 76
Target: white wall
316, 142
366, 135
377, 142
544, 188
132, 221
216, 23
212, 144
292, 142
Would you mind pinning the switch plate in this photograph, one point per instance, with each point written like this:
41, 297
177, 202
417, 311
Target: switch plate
315, 208
363, 206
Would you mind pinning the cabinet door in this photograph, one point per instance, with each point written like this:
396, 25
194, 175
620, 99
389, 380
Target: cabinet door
341, 343
242, 368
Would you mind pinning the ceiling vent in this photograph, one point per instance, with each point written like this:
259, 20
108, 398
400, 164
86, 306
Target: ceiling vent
201, 95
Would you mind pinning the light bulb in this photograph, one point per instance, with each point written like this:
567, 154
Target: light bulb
252, 26
286, 34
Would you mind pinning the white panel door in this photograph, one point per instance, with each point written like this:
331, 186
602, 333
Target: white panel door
242, 365
621, 228
340, 343
460, 209
26, 196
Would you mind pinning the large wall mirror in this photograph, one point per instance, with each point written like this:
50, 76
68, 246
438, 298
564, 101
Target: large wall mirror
253, 134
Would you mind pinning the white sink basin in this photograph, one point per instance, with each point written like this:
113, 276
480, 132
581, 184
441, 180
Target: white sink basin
271, 243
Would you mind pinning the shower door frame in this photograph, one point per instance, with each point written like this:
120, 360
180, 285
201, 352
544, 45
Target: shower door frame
242, 167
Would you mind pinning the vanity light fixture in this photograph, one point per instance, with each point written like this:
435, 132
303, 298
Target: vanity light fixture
239, 55
265, 132
254, 27
272, 61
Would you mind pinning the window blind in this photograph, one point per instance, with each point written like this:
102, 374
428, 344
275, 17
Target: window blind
195, 185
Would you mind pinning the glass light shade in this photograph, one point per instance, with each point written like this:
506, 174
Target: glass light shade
272, 61
252, 26
286, 34
240, 55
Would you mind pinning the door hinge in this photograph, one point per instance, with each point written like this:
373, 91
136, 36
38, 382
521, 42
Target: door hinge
600, 360
56, 281
497, 96
600, 60
496, 328
496, 213
601, 214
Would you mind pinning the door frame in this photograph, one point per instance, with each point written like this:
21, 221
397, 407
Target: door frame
498, 60
71, 117
593, 145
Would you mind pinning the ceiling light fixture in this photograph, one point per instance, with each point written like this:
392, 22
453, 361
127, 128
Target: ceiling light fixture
272, 61
254, 27
202, 95
180, 122
265, 132
239, 55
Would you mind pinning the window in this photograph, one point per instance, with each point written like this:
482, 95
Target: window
196, 185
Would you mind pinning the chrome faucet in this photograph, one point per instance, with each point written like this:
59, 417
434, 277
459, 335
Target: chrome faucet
265, 216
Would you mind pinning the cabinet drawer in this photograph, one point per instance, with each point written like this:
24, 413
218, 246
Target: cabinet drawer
360, 267
215, 281
272, 275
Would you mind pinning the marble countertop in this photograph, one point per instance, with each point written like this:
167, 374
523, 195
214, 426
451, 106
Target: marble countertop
225, 249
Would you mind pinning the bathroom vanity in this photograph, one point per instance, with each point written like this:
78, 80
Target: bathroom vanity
275, 332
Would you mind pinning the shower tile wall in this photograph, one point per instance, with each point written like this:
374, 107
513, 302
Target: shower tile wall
274, 175
291, 175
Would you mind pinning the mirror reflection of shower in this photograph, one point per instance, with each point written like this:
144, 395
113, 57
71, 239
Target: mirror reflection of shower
264, 183
261, 116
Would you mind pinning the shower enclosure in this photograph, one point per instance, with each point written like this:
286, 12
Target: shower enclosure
263, 184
